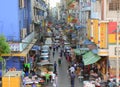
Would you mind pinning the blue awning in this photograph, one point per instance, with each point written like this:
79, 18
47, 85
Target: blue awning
36, 47
73, 35
86, 42
79, 26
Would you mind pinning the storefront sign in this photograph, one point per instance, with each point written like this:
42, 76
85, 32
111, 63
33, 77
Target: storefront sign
14, 46
113, 51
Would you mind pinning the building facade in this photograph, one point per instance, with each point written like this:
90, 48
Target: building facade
21, 22
101, 19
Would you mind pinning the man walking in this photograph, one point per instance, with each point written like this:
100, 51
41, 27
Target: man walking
55, 67
72, 77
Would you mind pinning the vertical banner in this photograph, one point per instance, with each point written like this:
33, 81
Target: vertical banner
88, 28
95, 31
103, 35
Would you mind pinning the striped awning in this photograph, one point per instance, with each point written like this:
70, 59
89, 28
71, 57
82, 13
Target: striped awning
90, 58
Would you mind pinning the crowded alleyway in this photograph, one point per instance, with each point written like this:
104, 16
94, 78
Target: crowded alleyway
63, 77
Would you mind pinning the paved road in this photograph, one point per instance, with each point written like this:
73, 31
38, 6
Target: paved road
63, 78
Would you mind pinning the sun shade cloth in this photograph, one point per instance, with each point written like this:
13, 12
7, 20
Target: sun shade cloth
90, 58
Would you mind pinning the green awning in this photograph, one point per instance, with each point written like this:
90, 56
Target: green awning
70, 2
90, 58
80, 51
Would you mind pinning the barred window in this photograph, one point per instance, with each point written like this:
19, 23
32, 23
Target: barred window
114, 5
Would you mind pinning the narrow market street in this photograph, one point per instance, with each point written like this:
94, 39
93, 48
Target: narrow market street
63, 78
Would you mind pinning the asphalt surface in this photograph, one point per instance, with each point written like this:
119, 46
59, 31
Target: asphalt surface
63, 77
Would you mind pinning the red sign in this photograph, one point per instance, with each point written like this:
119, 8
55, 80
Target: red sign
112, 26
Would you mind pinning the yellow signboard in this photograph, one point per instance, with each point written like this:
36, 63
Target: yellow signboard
103, 35
95, 31
88, 28
112, 38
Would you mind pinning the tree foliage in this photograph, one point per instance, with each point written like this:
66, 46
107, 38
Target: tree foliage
4, 46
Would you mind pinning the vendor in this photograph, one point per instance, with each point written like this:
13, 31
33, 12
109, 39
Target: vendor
47, 77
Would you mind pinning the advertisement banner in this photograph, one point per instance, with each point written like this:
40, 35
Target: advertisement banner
88, 28
103, 35
95, 31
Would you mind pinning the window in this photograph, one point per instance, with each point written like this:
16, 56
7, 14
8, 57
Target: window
21, 3
114, 5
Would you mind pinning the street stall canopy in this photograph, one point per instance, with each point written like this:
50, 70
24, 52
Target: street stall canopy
90, 58
80, 51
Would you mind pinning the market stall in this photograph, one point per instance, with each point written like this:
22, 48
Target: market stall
29, 81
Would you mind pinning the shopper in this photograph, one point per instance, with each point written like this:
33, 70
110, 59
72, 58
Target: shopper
72, 78
59, 61
55, 67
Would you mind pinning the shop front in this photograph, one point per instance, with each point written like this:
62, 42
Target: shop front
15, 60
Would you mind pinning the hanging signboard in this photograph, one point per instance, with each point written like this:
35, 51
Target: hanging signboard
95, 31
88, 28
103, 35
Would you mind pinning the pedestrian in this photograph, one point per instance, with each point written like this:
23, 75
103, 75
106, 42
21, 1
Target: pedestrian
55, 84
68, 70
53, 77
55, 67
53, 53
54, 48
72, 69
72, 79
59, 61
26, 70
61, 53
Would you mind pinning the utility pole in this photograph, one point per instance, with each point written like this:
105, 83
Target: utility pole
117, 44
